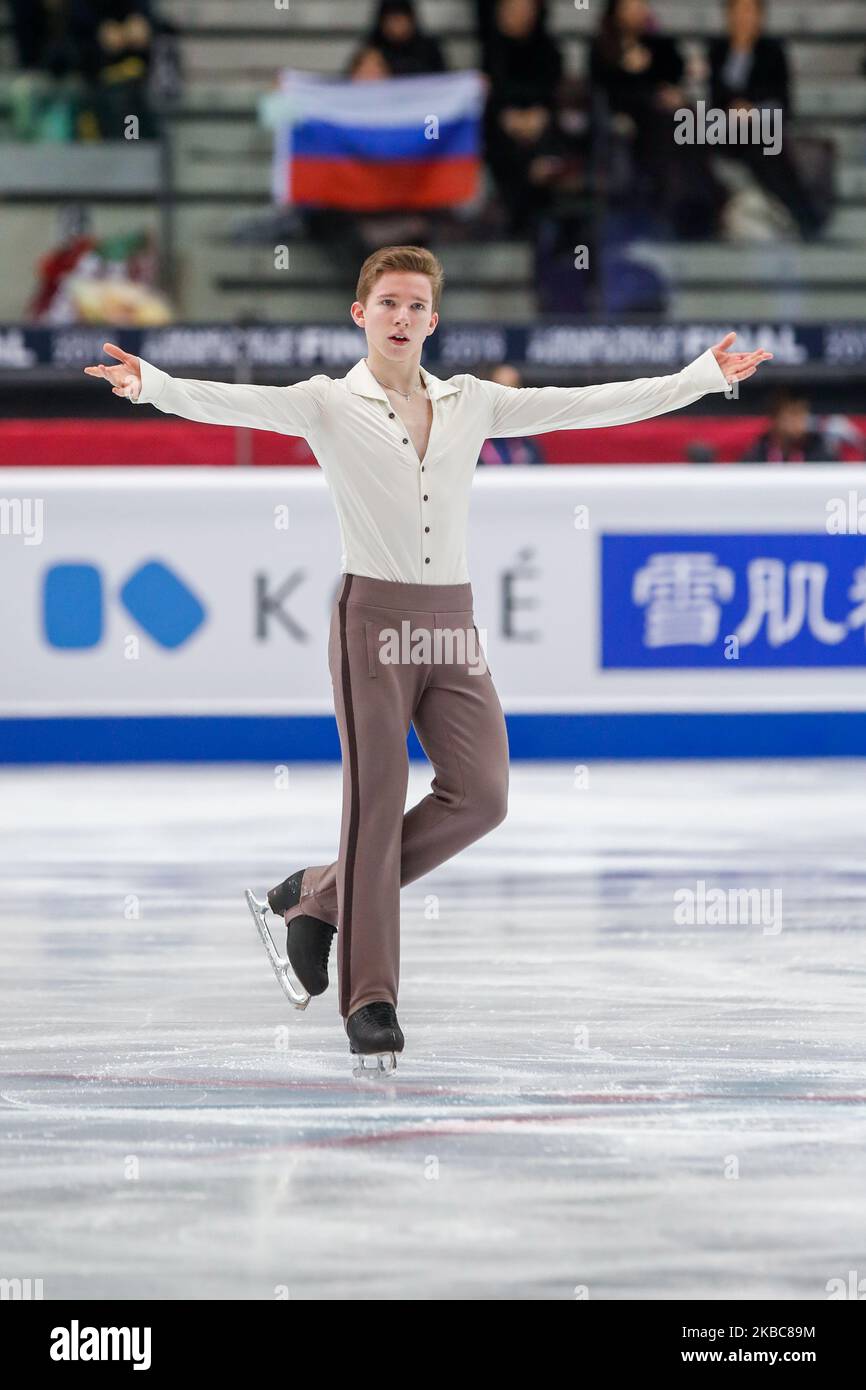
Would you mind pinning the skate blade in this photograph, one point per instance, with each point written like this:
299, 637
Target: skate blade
372, 1065
295, 993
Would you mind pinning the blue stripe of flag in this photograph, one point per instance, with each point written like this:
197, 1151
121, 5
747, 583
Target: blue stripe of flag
324, 140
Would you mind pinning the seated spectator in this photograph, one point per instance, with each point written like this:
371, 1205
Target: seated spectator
88, 65
115, 41
523, 60
749, 69
45, 95
501, 451
526, 150
793, 436
398, 36
640, 72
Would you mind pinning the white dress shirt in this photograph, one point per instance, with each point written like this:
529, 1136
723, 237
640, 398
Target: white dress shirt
401, 517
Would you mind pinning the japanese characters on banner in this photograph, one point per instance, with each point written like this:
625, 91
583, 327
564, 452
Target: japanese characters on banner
793, 601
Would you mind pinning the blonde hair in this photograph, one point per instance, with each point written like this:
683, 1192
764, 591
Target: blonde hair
412, 258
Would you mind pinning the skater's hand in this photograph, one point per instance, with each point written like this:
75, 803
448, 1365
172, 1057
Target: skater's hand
738, 365
125, 379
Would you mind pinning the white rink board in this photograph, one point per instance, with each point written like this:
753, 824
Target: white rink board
217, 532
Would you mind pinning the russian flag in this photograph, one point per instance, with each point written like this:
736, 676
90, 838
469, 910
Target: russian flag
406, 142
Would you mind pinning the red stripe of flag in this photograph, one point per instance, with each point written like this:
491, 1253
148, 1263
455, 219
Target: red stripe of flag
363, 186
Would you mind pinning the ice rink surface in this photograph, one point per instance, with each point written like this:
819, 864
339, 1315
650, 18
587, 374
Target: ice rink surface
596, 1099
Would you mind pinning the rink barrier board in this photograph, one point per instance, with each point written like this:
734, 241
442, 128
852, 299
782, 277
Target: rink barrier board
587, 650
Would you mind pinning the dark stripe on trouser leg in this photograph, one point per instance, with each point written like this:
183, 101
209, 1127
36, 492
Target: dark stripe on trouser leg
354, 807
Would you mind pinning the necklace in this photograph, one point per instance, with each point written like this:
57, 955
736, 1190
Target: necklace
405, 394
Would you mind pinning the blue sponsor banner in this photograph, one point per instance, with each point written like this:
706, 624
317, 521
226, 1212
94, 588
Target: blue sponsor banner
733, 601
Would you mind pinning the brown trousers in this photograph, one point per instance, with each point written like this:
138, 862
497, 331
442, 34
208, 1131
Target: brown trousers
447, 692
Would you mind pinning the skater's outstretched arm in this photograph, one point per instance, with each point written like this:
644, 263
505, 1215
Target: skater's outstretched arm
284, 409
540, 409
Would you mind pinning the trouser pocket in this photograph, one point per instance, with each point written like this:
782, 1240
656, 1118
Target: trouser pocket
371, 635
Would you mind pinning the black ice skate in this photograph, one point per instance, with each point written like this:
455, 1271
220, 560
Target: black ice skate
375, 1037
303, 971
308, 946
308, 939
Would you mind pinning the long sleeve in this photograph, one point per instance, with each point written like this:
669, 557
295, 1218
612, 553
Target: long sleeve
285, 409
540, 409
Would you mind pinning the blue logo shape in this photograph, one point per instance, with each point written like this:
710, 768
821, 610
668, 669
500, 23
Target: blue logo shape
162, 604
72, 612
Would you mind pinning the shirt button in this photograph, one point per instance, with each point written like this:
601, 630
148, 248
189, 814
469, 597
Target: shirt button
427, 561
422, 468
425, 497
426, 528
405, 441
390, 415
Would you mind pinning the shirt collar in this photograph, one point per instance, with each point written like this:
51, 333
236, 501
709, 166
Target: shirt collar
361, 382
